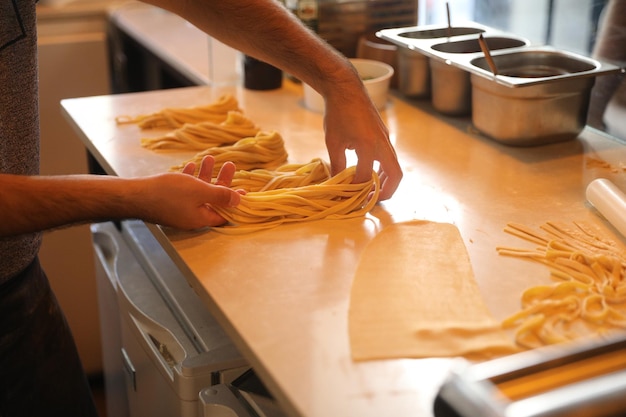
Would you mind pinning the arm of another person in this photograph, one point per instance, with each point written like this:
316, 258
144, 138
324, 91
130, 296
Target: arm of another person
36, 203
266, 30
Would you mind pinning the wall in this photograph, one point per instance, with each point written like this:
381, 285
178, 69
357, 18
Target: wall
72, 63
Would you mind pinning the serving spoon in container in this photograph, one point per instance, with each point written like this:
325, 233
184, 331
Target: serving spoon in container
485, 48
448, 16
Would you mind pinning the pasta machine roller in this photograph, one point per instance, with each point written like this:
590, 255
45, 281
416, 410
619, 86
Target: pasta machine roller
574, 379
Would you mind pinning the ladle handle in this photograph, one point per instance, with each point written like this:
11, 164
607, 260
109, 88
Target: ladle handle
485, 49
449, 21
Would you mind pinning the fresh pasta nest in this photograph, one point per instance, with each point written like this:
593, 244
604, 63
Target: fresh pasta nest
203, 135
176, 117
335, 198
265, 150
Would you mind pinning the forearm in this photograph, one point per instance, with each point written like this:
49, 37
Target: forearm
31, 203
266, 30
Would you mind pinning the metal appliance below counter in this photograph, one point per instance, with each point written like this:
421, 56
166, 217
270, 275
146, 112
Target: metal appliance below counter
163, 352
582, 379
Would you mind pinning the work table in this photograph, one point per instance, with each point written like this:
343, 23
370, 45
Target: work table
283, 294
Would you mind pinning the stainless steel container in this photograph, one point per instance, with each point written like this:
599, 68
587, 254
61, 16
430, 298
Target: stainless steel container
426, 61
472, 46
450, 86
438, 32
532, 115
413, 73
540, 95
451, 90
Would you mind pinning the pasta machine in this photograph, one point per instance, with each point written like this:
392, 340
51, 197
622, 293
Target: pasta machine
575, 379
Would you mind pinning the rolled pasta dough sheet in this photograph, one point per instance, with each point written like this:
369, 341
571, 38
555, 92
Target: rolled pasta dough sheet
414, 295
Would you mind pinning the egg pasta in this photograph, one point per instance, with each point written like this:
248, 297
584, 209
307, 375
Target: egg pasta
335, 198
589, 293
285, 176
203, 135
176, 117
265, 150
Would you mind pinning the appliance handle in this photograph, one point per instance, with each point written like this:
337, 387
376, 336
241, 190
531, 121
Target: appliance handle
117, 259
154, 337
106, 249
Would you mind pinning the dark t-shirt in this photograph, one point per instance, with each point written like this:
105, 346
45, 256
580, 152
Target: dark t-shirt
19, 121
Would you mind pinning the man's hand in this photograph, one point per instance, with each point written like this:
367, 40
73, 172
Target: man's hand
356, 124
185, 202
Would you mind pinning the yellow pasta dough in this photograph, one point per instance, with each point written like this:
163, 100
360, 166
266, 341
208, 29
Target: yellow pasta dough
414, 295
203, 135
176, 117
335, 198
265, 150
285, 176
588, 296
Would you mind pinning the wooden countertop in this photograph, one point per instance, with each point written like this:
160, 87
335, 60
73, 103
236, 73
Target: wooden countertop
283, 294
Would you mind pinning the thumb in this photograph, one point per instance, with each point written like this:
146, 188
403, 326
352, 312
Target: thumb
221, 196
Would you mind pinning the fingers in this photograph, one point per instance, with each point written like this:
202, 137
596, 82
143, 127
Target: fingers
189, 168
222, 196
337, 156
364, 169
226, 174
205, 173
390, 179
206, 168
390, 173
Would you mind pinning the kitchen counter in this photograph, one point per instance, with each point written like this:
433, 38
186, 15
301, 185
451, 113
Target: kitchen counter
182, 45
282, 295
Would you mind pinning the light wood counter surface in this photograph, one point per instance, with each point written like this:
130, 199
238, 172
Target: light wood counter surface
283, 294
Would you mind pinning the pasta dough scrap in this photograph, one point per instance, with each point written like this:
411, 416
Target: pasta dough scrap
335, 198
203, 135
266, 150
176, 117
414, 295
589, 294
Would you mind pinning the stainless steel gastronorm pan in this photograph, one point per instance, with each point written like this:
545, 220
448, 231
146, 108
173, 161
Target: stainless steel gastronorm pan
537, 65
472, 46
540, 95
438, 32
421, 38
427, 61
531, 115
450, 85
414, 75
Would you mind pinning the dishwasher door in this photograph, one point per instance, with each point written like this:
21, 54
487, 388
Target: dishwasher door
161, 347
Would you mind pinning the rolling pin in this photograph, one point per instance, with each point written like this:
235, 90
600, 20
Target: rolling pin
610, 201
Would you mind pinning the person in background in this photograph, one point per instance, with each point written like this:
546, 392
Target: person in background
607, 107
40, 372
